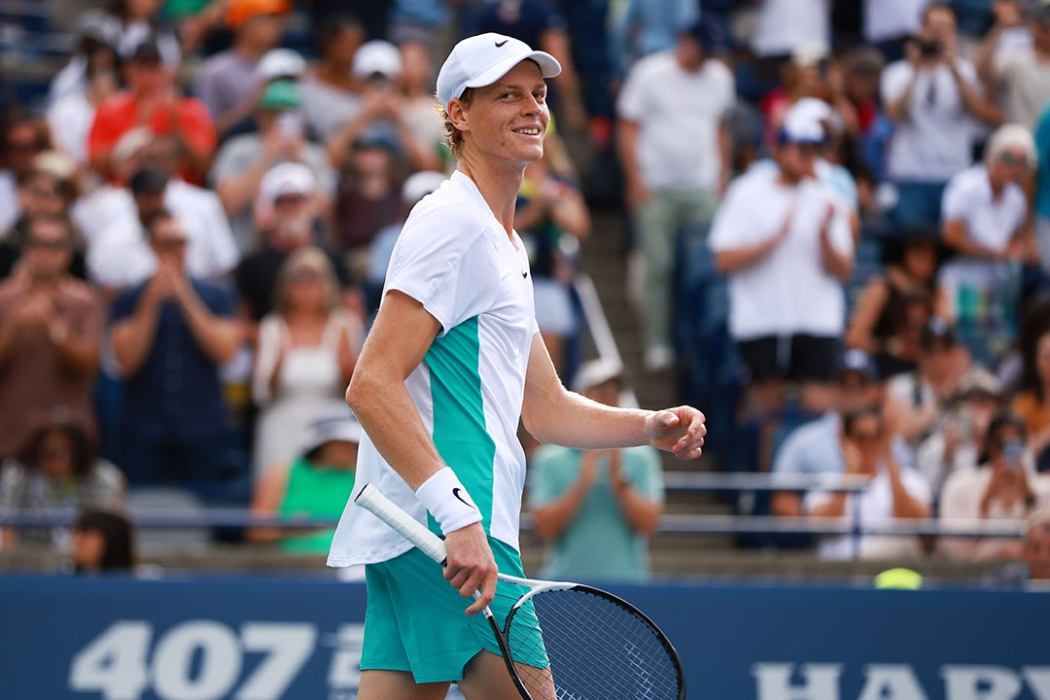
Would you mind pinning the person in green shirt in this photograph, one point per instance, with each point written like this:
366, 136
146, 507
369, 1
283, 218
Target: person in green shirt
316, 484
596, 508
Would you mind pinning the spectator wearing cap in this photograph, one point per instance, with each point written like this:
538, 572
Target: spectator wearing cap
228, 82
596, 509
384, 111
817, 447
153, 99
933, 98
119, 254
674, 148
50, 330
169, 335
986, 222
243, 160
894, 492
1032, 403
308, 346
785, 244
957, 442
919, 397
47, 188
331, 91
894, 306
1005, 486
288, 198
1021, 76
541, 25
91, 77
316, 483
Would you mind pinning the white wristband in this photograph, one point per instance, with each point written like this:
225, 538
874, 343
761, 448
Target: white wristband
447, 500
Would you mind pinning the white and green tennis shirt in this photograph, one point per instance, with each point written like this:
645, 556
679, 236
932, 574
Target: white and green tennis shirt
457, 260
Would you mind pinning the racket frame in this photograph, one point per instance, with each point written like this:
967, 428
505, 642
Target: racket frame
372, 500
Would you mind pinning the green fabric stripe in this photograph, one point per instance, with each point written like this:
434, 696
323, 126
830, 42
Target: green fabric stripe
460, 434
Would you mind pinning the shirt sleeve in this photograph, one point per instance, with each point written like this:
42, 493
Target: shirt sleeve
788, 459
446, 261
631, 103
224, 251
729, 219
124, 305
217, 299
954, 203
894, 81
207, 90
196, 126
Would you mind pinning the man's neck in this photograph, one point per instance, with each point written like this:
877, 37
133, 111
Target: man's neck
43, 285
499, 186
248, 51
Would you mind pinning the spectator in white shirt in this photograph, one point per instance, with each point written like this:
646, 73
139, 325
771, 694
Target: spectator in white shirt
986, 221
785, 244
893, 493
674, 147
933, 98
120, 256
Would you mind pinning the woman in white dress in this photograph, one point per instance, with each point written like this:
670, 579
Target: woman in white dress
307, 349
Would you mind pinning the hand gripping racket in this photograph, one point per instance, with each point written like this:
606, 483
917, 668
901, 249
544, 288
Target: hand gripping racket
564, 641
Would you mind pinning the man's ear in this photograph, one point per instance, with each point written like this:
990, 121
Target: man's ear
457, 114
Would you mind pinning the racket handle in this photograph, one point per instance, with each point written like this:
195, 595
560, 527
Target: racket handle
408, 527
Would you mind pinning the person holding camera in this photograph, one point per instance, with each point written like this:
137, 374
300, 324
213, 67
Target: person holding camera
1005, 487
933, 98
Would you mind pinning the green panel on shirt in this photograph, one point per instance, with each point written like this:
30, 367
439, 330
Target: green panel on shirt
460, 434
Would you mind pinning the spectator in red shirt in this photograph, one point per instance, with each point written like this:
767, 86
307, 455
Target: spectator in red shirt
152, 99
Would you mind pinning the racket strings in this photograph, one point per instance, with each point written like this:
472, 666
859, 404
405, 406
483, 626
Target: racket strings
575, 645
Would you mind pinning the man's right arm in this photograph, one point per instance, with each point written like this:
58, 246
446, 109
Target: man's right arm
400, 337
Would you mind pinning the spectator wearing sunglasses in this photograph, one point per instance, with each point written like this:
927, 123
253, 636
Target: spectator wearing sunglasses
986, 223
50, 325
170, 335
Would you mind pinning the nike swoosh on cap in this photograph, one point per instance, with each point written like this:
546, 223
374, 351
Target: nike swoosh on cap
499, 44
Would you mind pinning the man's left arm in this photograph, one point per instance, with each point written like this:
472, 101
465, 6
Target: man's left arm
972, 98
552, 414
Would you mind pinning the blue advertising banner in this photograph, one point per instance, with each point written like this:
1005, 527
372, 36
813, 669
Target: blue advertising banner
267, 638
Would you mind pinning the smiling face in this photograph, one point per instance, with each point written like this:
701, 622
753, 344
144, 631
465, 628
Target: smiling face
506, 121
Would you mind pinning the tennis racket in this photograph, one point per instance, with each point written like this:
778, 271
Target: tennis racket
564, 641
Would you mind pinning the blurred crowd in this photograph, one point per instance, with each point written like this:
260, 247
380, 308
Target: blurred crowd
197, 211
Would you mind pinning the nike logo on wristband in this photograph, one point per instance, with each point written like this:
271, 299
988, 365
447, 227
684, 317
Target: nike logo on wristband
456, 491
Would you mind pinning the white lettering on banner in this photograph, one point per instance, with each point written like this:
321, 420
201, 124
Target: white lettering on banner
891, 682
900, 682
196, 660
1038, 679
775, 683
980, 683
288, 646
219, 666
114, 664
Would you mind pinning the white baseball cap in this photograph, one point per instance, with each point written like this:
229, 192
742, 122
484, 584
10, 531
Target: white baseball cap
481, 60
286, 178
332, 425
280, 63
595, 373
377, 56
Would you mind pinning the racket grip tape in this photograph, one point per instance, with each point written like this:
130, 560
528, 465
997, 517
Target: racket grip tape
404, 524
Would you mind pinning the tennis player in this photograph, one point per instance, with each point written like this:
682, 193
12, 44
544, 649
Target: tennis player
453, 360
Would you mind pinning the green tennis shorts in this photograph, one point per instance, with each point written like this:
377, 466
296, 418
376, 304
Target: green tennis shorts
414, 620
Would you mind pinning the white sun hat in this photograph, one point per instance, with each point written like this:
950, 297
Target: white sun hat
481, 60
